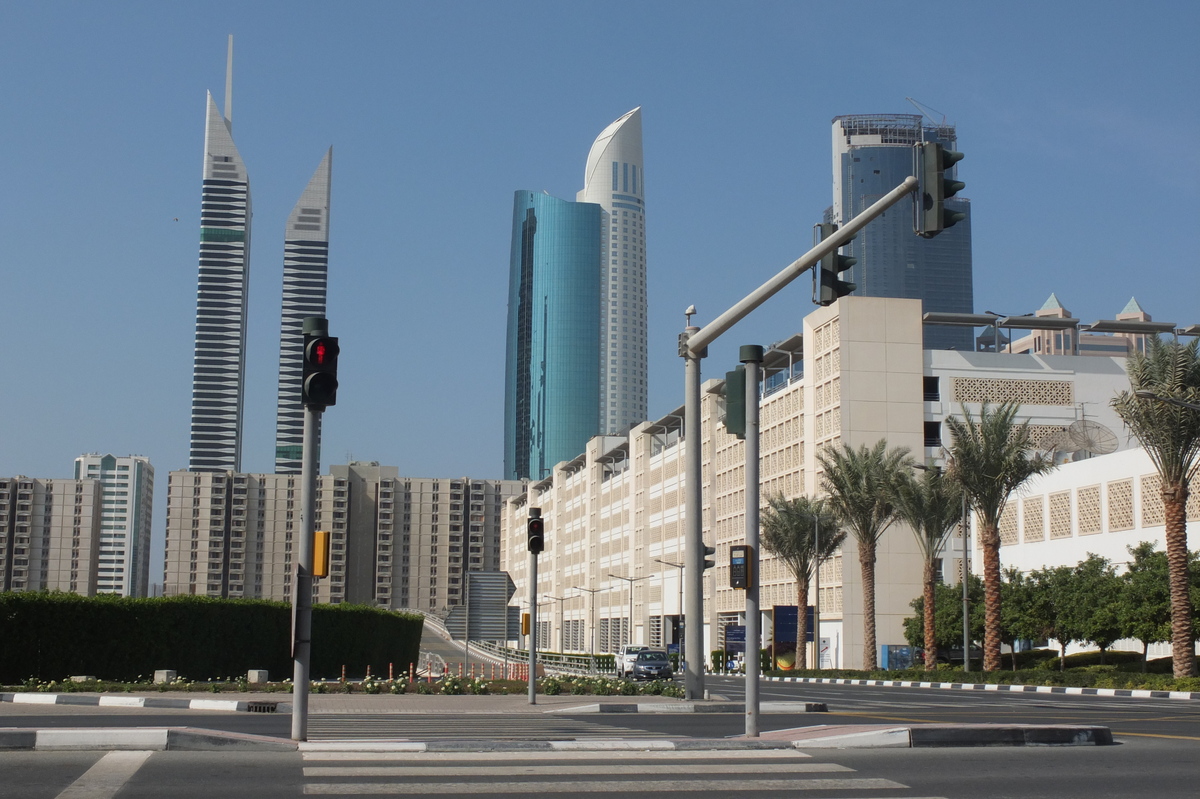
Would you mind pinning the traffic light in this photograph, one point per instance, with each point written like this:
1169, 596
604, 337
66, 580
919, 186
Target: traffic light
735, 402
931, 162
535, 534
709, 551
320, 370
828, 286
320, 561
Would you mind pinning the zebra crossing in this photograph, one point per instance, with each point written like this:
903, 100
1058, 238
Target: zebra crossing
492, 727
720, 772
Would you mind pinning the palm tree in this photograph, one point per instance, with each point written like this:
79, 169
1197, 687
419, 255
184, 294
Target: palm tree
861, 486
801, 532
931, 505
990, 459
1170, 434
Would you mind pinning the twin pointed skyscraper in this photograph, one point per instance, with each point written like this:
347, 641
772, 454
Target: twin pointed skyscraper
218, 375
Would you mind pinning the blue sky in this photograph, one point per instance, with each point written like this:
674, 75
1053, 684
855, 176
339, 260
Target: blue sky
1079, 122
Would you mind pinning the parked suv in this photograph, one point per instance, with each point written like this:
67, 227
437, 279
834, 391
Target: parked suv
626, 657
652, 664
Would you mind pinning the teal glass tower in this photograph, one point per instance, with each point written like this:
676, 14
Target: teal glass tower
552, 374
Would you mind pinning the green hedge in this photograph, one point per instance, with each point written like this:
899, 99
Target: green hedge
54, 635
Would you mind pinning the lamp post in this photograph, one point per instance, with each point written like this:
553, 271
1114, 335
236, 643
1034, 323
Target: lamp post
591, 624
631, 581
680, 627
562, 644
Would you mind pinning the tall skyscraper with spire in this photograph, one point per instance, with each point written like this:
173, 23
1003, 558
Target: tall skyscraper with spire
220, 347
305, 275
576, 347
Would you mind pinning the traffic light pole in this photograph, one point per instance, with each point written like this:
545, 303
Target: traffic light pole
302, 555
752, 356
533, 626
693, 344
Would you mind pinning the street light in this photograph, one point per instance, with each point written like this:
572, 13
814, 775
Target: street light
592, 623
1154, 395
562, 645
631, 581
680, 627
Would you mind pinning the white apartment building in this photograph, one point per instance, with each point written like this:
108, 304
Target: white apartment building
397, 542
127, 509
857, 373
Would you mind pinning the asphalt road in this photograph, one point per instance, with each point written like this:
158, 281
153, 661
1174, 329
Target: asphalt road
1164, 769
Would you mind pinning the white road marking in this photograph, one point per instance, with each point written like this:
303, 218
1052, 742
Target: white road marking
642, 787
107, 776
514, 770
535, 756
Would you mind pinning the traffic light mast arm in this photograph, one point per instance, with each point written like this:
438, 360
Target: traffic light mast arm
706, 335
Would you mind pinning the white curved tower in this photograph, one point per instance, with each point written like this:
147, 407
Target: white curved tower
615, 180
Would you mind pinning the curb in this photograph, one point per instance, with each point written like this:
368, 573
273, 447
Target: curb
157, 739
920, 736
966, 686
108, 700
695, 707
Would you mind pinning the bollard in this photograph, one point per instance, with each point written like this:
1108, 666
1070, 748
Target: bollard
343, 672
390, 676
410, 671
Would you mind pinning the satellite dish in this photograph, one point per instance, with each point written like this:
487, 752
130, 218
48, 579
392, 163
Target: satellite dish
1092, 436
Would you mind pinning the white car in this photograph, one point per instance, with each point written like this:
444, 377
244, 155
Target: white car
626, 658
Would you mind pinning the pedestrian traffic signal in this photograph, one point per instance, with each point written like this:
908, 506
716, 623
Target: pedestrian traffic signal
931, 163
735, 402
709, 551
829, 287
320, 371
535, 534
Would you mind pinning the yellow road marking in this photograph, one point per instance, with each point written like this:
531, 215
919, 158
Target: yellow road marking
1156, 735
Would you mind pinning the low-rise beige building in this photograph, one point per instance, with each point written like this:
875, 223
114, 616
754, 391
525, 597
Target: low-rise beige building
857, 373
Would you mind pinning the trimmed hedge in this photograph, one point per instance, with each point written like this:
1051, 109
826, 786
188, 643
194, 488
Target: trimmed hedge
54, 635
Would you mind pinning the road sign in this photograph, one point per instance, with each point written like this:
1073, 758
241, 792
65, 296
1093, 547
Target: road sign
487, 599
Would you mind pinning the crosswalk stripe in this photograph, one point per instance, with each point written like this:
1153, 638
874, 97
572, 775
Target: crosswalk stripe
516, 769
408, 727
642, 787
517, 757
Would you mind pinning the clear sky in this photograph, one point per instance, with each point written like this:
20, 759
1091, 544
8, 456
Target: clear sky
1079, 121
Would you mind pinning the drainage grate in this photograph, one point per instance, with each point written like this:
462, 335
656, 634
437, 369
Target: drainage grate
262, 707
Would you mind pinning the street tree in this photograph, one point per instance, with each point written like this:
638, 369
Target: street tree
990, 459
947, 614
1144, 605
1018, 611
931, 505
1170, 433
861, 484
802, 533
1050, 612
1092, 603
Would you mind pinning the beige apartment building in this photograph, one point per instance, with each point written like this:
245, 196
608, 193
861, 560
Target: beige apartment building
855, 374
398, 542
50, 533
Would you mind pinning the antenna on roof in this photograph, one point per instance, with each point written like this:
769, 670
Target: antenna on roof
229, 83
924, 109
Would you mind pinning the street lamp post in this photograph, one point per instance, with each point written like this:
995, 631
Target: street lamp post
562, 644
591, 624
1154, 395
680, 626
631, 581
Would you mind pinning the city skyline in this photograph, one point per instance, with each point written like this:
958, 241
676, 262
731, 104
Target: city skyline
738, 131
